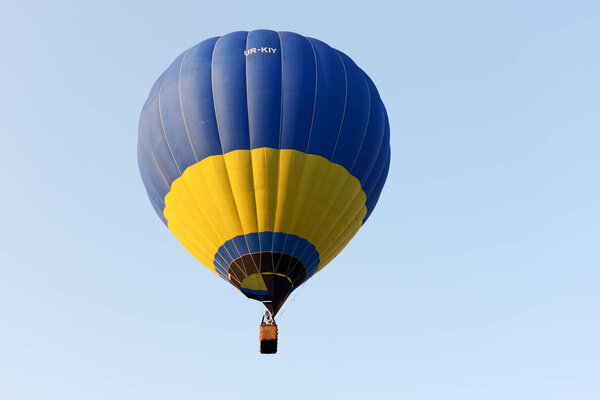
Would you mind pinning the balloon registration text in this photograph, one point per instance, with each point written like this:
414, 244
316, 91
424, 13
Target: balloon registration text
255, 50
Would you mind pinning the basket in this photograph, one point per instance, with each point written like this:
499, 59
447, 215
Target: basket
268, 339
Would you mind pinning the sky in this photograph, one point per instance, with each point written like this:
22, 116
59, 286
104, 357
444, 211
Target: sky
476, 277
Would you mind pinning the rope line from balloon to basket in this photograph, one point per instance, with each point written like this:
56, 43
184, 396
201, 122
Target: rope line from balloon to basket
287, 304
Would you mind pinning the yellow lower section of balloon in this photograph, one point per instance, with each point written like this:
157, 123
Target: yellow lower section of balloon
264, 190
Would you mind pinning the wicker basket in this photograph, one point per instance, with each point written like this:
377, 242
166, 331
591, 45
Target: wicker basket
268, 339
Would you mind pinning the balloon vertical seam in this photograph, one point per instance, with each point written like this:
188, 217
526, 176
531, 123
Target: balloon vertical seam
366, 127
345, 103
311, 128
223, 151
212, 92
250, 157
181, 106
165, 133
279, 146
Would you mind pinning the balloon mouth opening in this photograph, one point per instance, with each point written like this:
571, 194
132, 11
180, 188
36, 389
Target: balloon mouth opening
273, 289
267, 277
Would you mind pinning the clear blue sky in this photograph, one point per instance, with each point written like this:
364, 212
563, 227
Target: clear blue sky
477, 276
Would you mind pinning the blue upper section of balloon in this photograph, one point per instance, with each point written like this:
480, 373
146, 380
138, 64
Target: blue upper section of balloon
248, 90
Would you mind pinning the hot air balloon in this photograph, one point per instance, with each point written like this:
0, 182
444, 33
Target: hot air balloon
264, 153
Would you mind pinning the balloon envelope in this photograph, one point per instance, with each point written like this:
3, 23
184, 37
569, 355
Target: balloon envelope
264, 153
